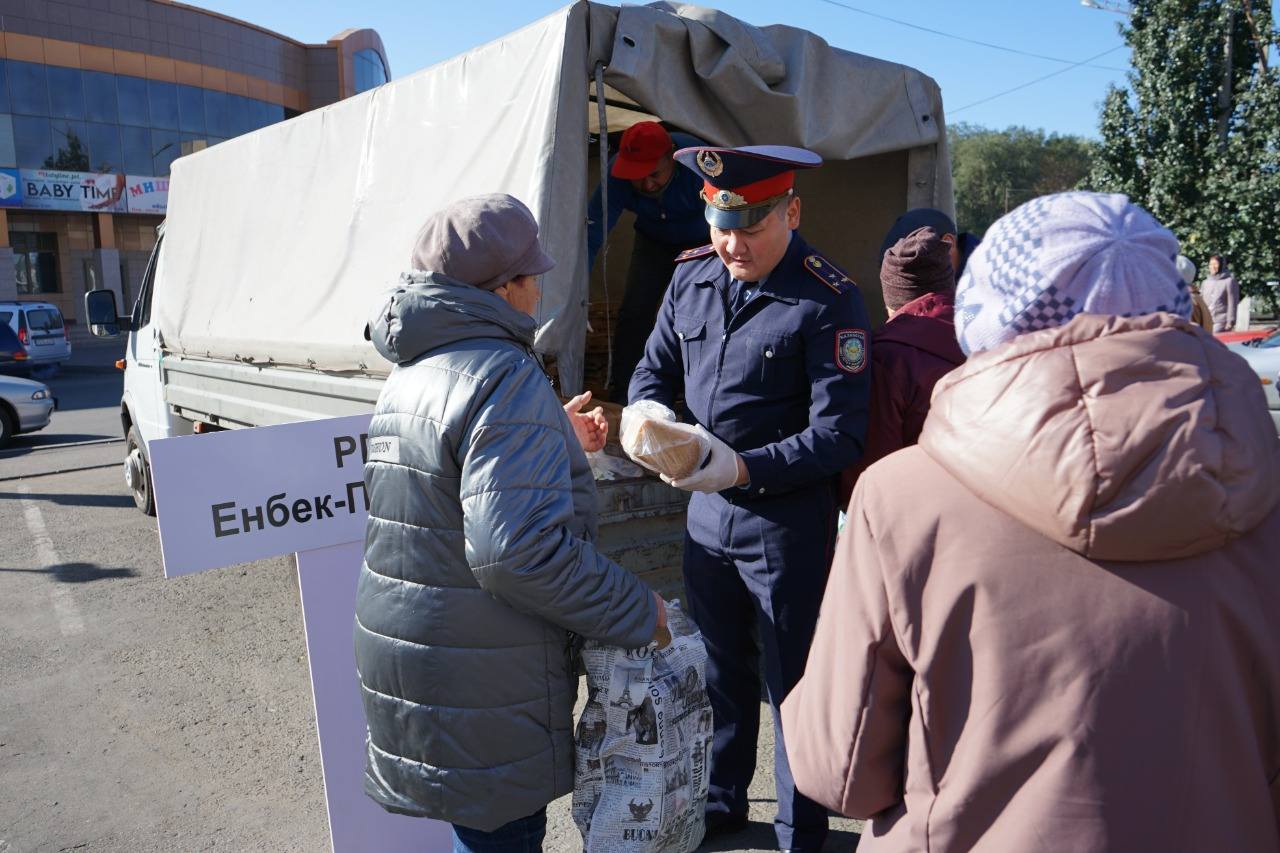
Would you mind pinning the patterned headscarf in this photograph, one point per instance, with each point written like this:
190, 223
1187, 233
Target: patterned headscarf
1062, 255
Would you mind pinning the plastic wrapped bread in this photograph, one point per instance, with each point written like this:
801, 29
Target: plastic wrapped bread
653, 438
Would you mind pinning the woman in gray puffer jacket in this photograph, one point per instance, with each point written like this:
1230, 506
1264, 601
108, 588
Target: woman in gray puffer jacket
479, 560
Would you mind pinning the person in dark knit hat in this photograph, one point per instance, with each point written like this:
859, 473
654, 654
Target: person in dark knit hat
914, 349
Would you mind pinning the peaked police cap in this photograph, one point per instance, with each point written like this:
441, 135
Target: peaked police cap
741, 185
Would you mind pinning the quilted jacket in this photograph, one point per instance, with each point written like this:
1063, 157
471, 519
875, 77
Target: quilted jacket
479, 564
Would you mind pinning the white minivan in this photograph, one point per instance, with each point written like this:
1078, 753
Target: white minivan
40, 328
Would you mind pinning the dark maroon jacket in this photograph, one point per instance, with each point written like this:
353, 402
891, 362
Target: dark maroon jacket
909, 354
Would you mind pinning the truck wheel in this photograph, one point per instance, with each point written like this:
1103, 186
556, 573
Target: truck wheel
6, 426
137, 473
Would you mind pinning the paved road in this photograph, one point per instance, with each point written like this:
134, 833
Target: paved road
144, 714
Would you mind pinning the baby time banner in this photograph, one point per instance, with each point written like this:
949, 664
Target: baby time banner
47, 189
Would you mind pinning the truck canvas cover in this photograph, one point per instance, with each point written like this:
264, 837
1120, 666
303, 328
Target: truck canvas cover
278, 243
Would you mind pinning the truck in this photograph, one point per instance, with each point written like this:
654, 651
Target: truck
277, 244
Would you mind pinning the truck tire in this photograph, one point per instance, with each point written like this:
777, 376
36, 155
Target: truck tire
137, 473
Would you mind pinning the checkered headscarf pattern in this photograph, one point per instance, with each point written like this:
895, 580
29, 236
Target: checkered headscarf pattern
1062, 255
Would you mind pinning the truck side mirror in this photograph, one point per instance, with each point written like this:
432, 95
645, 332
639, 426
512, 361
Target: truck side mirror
100, 308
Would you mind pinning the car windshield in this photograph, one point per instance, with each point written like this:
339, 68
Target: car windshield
44, 319
5, 317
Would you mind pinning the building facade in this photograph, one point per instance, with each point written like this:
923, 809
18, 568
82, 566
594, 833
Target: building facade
99, 97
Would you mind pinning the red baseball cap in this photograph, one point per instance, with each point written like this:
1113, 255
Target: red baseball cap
643, 145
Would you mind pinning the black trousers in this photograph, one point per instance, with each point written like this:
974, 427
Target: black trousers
652, 265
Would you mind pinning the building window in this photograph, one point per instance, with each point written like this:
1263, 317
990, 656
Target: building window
164, 104
33, 141
100, 102
166, 146
134, 109
28, 88
8, 151
104, 148
72, 151
66, 93
190, 109
215, 111
4, 87
369, 70
35, 262
136, 142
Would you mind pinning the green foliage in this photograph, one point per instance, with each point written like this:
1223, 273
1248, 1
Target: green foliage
70, 158
1211, 175
994, 171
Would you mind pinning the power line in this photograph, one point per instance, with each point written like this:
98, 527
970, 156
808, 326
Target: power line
945, 34
1037, 80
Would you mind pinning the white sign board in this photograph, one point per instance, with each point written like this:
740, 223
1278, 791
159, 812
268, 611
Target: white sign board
241, 495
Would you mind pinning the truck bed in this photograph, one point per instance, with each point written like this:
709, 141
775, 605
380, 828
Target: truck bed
641, 518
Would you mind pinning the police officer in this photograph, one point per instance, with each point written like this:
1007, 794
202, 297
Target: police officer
644, 178
766, 341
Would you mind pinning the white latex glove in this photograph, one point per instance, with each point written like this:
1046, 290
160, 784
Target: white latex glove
722, 469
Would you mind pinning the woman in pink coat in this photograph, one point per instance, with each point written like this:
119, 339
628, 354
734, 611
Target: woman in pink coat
1054, 624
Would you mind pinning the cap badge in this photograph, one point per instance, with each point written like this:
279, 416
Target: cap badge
727, 200
710, 163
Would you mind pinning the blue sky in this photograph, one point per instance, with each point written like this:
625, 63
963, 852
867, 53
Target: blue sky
418, 33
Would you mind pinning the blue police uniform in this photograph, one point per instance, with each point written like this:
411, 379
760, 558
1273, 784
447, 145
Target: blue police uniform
784, 381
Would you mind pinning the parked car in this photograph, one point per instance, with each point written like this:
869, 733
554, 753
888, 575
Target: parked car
25, 406
13, 355
1263, 355
40, 328
1243, 337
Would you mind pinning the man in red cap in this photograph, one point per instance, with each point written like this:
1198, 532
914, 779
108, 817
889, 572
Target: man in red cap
645, 180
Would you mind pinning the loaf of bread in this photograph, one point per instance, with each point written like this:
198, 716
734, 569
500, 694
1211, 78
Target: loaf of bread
668, 448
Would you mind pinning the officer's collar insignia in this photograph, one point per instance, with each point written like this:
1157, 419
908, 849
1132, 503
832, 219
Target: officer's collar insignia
710, 163
851, 350
700, 252
828, 273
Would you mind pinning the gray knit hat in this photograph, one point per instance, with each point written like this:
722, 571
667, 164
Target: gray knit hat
484, 241
1062, 255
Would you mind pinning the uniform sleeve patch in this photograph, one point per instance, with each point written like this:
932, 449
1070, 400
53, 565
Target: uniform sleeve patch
828, 273
851, 350
700, 252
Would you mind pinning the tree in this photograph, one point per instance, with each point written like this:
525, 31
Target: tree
71, 158
1204, 158
993, 171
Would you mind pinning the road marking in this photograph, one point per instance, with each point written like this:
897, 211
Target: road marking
64, 605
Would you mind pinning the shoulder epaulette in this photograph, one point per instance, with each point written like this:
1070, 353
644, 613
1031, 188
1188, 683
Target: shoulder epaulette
700, 252
828, 273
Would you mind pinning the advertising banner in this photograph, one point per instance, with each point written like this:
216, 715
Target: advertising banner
146, 194
248, 494
48, 189
10, 188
